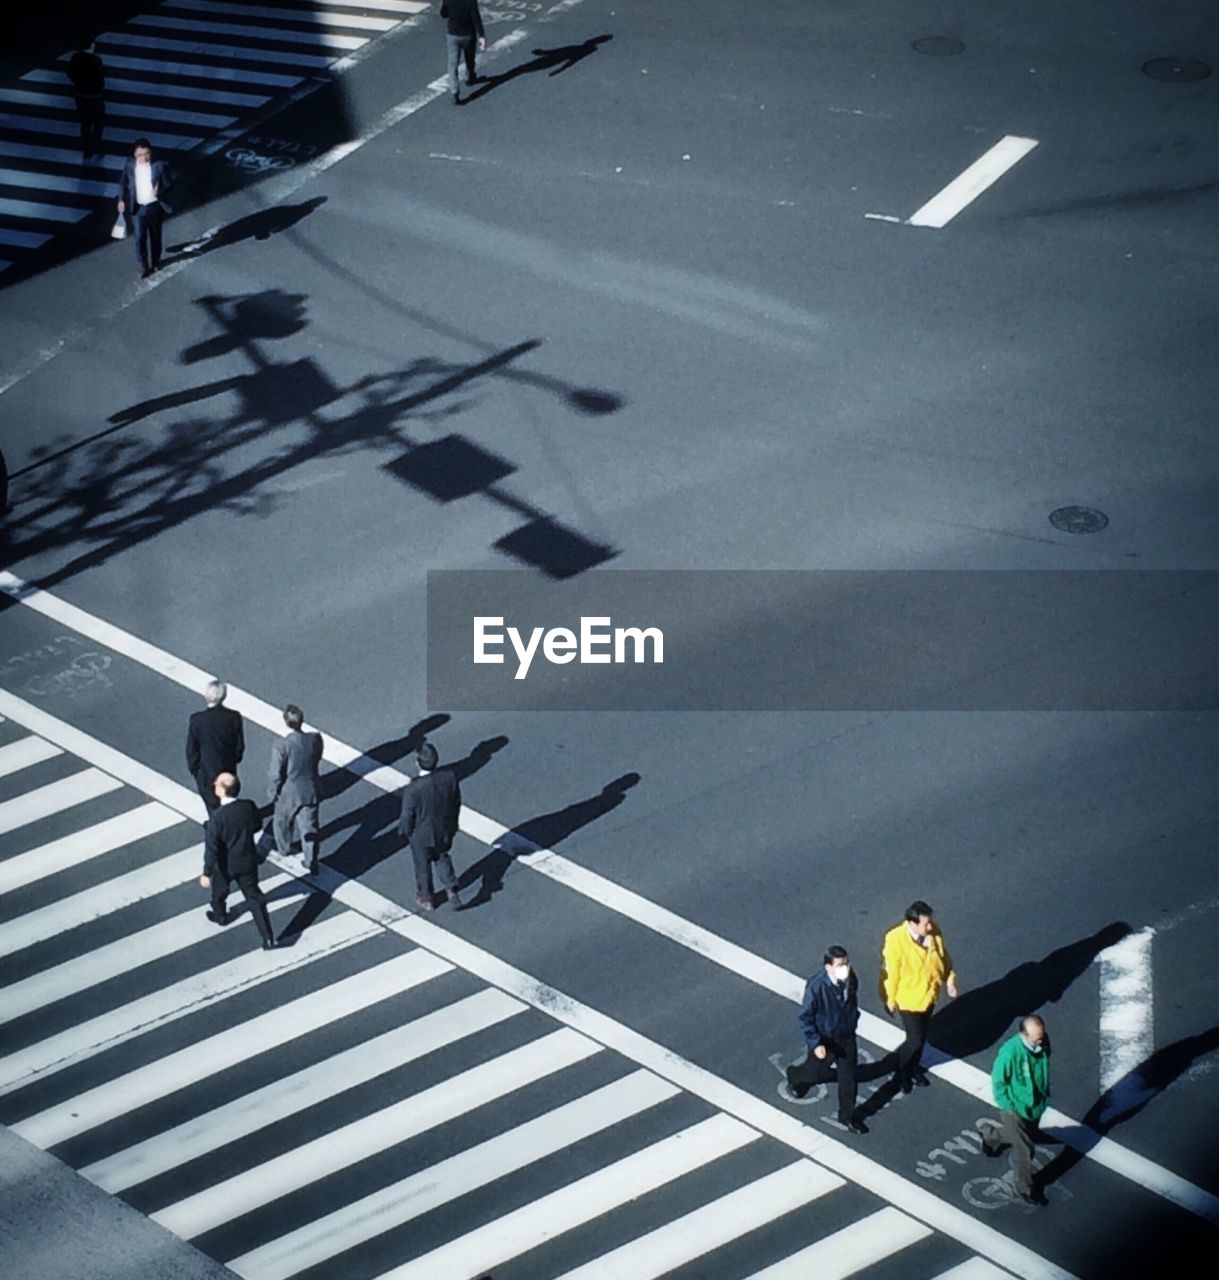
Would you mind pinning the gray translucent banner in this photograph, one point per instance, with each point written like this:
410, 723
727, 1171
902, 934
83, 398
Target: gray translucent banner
825, 640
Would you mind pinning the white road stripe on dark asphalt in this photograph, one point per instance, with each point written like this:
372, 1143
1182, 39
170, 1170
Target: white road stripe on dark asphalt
54, 797
1127, 1018
312, 17
232, 52
121, 87
846, 1252
973, 1269
968, 186
15, 756
282, 35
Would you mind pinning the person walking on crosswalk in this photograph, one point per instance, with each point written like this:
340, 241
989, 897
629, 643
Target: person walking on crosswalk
915, 965
231, 856
215, 742
463, 25
293, 786
88, 77
431, 804
828, 1018
142, 188
1020, 1079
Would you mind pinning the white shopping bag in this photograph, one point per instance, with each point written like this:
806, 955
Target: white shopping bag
119, 230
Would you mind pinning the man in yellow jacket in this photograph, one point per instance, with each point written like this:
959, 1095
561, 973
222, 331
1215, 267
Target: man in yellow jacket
915, 964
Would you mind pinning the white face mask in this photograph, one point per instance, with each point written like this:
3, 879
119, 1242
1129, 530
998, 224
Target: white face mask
840, 973
1031, 1047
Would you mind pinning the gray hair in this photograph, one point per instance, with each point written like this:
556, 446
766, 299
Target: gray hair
294, 717
216, 692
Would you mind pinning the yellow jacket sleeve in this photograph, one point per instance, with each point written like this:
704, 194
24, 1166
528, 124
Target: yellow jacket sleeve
891, 965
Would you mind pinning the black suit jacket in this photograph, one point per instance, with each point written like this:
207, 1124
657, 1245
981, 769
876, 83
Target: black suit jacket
430, 807
161, 184
228, 841
215, 743
462, 18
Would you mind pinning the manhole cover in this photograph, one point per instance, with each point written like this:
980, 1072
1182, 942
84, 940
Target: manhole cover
1078, 519
1180, 70
939, 46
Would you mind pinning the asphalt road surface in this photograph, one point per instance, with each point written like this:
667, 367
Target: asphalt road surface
690, 286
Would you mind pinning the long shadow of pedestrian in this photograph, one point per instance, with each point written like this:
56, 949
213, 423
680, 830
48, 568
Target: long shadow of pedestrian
555, 61
479, 758
1128, 1097
337, 781
254, 226
543, 832
978, 1019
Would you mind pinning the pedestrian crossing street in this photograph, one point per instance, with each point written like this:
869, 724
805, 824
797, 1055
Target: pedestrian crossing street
180, 74
349, 1106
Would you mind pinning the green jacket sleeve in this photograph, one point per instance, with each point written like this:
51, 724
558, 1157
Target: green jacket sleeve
1000, 1079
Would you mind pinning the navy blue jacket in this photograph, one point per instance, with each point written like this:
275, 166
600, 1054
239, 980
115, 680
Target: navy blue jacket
829, 1011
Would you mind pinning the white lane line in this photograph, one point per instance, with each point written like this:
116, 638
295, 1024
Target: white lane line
54, 798
408, 7
23, 239
123, 955
69, 128
117, 109
58, 918
312, 17
200, 71
120, 87
281, 35
47, 212
238, 53
24, 178
238, 1043
580, 1201
728, 955
19, 755
81, 846
862, 1244
973, 1269
408, 1118
62, 154
1127, 1017
86, 1039
870, 1175
305, 1088
429, 1189
968, 186
711, 1226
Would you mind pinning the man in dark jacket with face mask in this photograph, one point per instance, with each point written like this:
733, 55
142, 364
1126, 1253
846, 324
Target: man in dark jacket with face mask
1020, 1080
828, 1018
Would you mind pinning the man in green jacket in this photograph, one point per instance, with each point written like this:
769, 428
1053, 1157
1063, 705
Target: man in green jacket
1020, 1079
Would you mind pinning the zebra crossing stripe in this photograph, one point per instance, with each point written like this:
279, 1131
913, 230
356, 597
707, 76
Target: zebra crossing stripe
69, 128
118, 86
974, 1269
313, 17
55, 797
245, 1040
292, 1094
81, 846
407, 1118
429, 1189
233, 52
284, 35
69, 156
86, 1039
15, 756
199, 71
117, 109
131, 951
46, 212
846, 1252
59, 918
406, 7
23, 239
697, 1233
580, 1201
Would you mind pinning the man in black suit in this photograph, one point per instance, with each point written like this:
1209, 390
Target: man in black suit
431, 804
229, 854
463, 26
88, 77
142, 187
215, 742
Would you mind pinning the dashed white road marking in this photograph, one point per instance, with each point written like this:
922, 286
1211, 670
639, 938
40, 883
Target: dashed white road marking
1127, 1016
968, 186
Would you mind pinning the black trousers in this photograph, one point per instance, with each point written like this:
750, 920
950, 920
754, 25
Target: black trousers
841, 1062
92, 115
248, 884
148, 220
208, 795
424, 859
910, 1051
1021, 1135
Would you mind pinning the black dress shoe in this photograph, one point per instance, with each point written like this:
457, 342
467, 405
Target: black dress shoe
921, 1079
1036, 1196
215, 919
907, 1086
856, 1126
797, 1090
269, 944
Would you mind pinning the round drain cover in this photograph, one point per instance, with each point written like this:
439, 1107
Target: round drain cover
1179, 70
1078, 519
939, 46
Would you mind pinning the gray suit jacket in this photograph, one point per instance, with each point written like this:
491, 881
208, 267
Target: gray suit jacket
294, 764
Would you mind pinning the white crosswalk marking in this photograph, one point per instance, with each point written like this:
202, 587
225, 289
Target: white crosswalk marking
69, 128
199, 71
22, 239
35, 209
314, 17
47, 181
54, 798
81, 846
404, 7
15, 756
176, 1001
862, 1244
580, 1201
405, 1119
295, 1093
60, 917
283, 35
116, 108
233, 52
974, 1269
124, 954
422, 1192
235, 1044
697, 1233
119, 86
